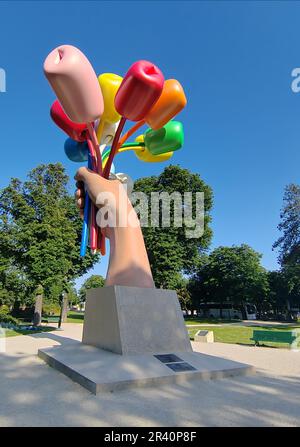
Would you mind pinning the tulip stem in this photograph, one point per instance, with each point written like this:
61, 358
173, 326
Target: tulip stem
127, 145
93, 137
101, 243
114, 147
85, 225
125, 148
130, 132
98, 238
92, 153
93, 224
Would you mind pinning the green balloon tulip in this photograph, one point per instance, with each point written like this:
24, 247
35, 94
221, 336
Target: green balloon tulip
167, 139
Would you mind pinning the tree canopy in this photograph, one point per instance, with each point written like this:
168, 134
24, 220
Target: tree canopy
92, 282
169, 249
230, 274
288, 243
40, 230
286, 283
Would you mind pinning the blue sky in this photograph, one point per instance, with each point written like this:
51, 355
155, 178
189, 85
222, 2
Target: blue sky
234, 59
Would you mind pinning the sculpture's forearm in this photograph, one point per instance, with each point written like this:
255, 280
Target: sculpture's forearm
128, 261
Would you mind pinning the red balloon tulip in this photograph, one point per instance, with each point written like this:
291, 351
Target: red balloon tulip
75, 131
140, 89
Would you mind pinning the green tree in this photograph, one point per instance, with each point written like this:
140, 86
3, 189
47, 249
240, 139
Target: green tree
279, 291
92, 282
180, 284
13, 282
288, 243
285, 285
73, 295
183, 293
284, 289
14, 287
41, 231
231, 274
169, 249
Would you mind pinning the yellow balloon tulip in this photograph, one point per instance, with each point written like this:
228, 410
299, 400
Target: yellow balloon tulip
109, 83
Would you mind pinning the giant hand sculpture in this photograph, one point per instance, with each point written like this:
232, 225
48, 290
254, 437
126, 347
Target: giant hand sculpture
128, 260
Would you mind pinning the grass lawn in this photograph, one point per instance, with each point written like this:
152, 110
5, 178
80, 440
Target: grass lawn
239, 334
13, 333
75, 317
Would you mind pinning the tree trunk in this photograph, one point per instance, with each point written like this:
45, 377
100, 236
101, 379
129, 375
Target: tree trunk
16, 309
243, 311
37, 317
64, 309
288, 305
205, 310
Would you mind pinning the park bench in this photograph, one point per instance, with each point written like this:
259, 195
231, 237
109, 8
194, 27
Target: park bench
50, 320
289, 337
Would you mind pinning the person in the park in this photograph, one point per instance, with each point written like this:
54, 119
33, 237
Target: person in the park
128, 260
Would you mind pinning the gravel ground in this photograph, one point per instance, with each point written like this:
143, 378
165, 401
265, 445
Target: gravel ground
33, 394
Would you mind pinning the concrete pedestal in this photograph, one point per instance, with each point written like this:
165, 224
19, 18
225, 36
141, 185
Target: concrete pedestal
134, 337
132, 320
99, 370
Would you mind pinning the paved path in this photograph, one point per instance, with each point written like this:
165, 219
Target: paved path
33, 394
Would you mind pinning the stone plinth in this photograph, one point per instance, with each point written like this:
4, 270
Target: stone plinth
132, 320
135, 337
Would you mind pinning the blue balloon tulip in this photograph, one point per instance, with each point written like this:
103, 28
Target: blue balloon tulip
76, 151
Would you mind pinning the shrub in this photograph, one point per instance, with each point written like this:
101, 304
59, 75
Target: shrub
4, 310
8, 319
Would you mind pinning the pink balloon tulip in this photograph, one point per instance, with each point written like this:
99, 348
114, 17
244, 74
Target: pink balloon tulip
75, 83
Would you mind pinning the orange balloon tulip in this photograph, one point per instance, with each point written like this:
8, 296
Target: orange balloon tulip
170, 103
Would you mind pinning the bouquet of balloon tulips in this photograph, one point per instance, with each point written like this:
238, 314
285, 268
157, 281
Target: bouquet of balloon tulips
93, 110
